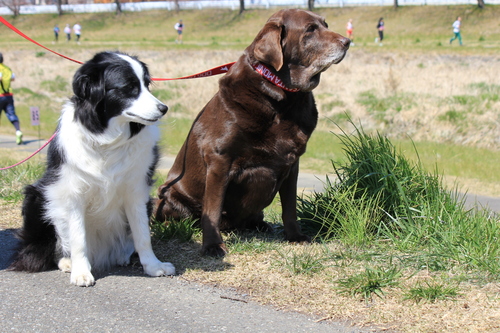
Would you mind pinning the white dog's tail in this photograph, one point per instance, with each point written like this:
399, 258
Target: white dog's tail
36, 250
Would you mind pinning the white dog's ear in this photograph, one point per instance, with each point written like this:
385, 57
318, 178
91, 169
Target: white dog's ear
89, 88
267, 47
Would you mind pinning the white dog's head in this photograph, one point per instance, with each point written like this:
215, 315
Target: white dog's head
113, 85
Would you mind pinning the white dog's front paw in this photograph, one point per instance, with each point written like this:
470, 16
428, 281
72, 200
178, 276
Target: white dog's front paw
159, 269
82, 279
65, 265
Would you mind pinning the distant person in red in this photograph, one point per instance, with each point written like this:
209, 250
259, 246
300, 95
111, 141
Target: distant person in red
349, 29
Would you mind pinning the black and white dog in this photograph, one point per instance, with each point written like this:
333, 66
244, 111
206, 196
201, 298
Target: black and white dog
91, 208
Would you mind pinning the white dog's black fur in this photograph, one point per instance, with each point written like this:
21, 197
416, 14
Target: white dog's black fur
91, 208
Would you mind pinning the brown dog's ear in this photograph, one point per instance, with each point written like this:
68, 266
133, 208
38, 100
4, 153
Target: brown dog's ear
267, 47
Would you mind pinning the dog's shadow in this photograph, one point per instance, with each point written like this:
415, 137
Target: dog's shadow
184, 256
8, 247
187, 256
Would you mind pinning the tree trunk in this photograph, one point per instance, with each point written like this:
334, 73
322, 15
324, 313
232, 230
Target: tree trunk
118, 7
177, 7
242, 7
310, 5
480, 3
396, 5
59, 7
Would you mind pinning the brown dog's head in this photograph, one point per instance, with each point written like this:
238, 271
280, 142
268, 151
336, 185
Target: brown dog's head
299, 46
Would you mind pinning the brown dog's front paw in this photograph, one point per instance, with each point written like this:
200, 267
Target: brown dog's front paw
214, 250
298, 238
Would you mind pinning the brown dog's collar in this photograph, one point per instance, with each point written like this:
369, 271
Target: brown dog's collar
271, 77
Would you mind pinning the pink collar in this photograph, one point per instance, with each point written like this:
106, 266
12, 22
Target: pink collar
271, 77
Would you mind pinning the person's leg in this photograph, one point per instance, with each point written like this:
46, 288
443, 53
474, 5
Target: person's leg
454, 37
459, 38
11, 115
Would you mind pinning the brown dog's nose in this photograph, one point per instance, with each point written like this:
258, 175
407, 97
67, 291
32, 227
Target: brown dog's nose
346, 42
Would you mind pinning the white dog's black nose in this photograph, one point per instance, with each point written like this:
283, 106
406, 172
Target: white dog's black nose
162, 108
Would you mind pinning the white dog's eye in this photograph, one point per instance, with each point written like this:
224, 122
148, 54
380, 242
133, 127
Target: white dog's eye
133, 89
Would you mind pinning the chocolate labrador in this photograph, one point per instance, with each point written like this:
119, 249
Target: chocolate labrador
244, 146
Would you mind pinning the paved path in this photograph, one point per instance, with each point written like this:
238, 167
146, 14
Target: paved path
124, 300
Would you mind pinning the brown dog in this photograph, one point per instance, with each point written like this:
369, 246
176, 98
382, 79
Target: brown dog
244, 146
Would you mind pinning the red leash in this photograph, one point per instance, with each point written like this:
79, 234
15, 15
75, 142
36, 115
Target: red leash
36, 152
214, 71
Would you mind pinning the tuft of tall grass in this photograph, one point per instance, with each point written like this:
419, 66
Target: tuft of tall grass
382, 197
431, 292
371, 281
183, 230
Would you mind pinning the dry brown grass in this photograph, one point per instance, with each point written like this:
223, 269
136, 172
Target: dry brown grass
427, 81
258, 275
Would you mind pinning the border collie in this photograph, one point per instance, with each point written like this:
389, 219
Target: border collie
91, 208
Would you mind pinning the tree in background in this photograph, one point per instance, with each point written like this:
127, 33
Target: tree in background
118, 7
59, 7
242, 6
13, 5
310, 4
480, 3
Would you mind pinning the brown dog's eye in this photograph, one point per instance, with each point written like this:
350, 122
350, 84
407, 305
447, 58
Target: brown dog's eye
312, 28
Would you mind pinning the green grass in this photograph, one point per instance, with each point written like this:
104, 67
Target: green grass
300, 262
384, 199
431, 292
13, 181
372, 281
183, 230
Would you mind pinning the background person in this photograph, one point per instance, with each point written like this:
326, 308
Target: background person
56, 33
349, 30
77, 28
67, 31
456, 30
7, 98
380, 28
179, 26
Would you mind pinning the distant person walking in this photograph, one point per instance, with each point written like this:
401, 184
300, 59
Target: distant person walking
179, 26
456, 30
67, 31
56, 33
380, 28
7, 98
77, 28
349, 31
